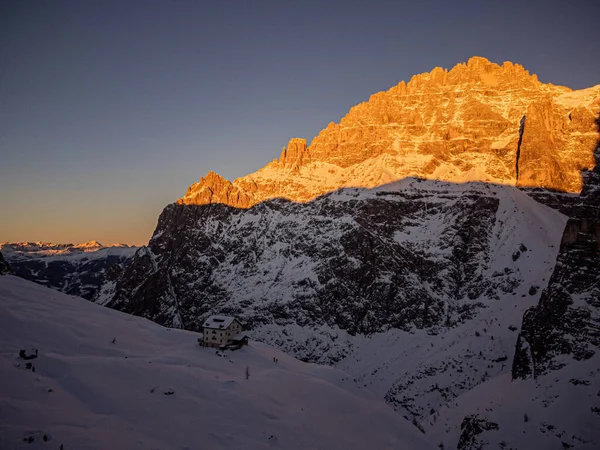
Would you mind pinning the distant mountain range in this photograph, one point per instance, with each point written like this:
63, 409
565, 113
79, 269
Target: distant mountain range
84, 270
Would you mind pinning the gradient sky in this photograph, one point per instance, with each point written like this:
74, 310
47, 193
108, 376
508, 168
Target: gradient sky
109, 110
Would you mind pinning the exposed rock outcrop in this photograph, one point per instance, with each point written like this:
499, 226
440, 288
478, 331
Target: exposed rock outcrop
213, 188
295, 154
4, 267
566, 323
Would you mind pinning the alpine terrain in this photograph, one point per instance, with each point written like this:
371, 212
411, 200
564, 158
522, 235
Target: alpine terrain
404, 246
439, 245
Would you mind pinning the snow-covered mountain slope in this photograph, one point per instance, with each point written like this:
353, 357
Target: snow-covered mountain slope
415, 287
556, 411
565, 324
553, 397
103, 379
87, 270
421, 371
416, 254
478, 121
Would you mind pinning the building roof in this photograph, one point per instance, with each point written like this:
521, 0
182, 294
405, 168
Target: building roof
218, 322
240, 336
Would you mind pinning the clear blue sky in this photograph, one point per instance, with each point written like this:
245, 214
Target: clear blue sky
110, 109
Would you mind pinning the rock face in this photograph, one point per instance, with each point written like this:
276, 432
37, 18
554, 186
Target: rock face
472, 427
565, 324
556, 364
87, 270
458, 125
295, 155
4, 267
215, 189
412, 288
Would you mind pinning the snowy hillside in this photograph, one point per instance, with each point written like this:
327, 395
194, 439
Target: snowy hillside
103, 379
402, 247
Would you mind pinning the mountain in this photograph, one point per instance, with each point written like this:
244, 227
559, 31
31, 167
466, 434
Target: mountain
476, 122
286, 244
101, 379
86, 270
403, 246
412, 245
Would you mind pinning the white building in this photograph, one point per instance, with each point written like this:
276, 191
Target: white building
222, 330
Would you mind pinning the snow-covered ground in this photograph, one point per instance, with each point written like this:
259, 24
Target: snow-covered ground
102, 380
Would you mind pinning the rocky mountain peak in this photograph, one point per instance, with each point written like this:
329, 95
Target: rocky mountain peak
476, 70
213, 188
457, 125
492, 74
295, 154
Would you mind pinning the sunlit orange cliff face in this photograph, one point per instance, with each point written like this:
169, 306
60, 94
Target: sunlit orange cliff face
454, 125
